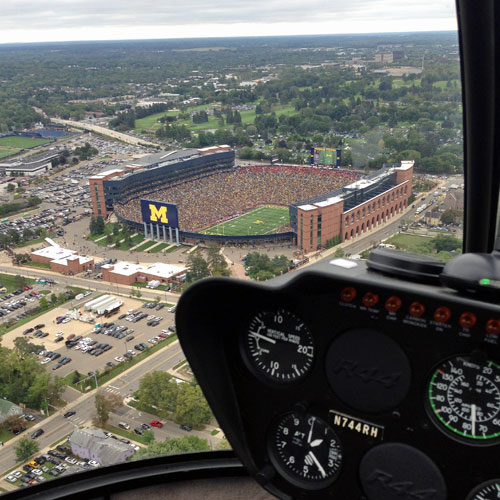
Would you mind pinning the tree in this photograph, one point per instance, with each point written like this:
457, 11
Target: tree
44, 303
448, 217
24, 347
53, 298
191, 407
148, 436
446, 243
10, 187
25, 448
173, 446
12, 422
27, 234
198, 268
99, 225
217, 262
105, 403
76, 377
339, 253
19, 281
160, 390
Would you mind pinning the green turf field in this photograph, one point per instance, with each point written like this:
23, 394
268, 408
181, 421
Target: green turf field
12, 145
262, 220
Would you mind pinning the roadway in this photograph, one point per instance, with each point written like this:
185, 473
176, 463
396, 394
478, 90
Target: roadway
56, 427
88, 284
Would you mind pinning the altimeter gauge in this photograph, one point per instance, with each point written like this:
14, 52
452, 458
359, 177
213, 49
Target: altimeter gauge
305, 450
278, 346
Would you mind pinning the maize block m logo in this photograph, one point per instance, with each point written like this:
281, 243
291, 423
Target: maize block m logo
158, 213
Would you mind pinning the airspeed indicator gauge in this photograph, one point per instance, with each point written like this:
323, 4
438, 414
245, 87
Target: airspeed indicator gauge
464, 398
278, 346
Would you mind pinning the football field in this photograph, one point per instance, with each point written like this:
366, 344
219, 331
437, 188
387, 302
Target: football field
262, 220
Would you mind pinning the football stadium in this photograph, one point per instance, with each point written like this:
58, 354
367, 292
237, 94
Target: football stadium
199, 195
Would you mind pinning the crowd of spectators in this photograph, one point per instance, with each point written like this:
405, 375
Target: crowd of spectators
207, 200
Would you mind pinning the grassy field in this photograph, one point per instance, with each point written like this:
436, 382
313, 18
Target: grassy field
262, 220
408, 242
150, 123
14, 144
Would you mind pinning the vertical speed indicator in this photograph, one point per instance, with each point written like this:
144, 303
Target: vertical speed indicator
278, 346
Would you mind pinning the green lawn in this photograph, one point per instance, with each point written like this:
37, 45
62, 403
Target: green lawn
11, 283
35, 241
150, 123
262, 220
408, 242
442, 84
40, 265
22, 142
5, 435
146, 245
159, 248
7, 152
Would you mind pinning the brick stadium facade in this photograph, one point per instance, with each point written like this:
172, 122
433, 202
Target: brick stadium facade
353, 209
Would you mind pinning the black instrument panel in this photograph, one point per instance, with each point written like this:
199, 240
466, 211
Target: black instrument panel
342, 383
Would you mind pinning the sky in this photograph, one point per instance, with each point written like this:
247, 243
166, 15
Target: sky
69, 20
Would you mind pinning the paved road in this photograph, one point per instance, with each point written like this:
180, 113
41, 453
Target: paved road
89, 284
56, 427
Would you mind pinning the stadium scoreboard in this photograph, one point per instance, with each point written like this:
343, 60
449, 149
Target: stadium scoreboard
157, 212
326, 156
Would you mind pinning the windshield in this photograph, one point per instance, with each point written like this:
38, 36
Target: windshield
143, 151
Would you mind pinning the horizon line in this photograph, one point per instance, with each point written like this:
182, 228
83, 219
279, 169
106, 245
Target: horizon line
3, 44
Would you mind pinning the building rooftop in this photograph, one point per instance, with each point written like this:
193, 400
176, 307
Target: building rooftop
8, 409
307, 207
150, 161
329, 201
103, 175
158, 269
54, 252
106, 451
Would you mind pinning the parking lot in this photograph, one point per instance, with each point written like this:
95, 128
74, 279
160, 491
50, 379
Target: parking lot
120, 335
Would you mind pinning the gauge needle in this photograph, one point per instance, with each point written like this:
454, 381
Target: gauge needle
263, 337
318, 465
316, 442
311, 431
473, 418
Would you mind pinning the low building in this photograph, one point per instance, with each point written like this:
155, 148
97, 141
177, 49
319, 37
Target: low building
8, 409
454, 200
93, 444
126, 273
62, 260
35, 165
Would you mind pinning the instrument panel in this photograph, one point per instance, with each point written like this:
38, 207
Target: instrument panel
337, 382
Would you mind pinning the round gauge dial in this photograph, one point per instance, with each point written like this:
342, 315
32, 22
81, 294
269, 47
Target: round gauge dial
305, 450
486, 491
464, 398
279, 346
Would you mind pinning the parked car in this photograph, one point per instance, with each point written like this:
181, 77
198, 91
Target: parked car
156, 423
185, 427
123, 425
139, 431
